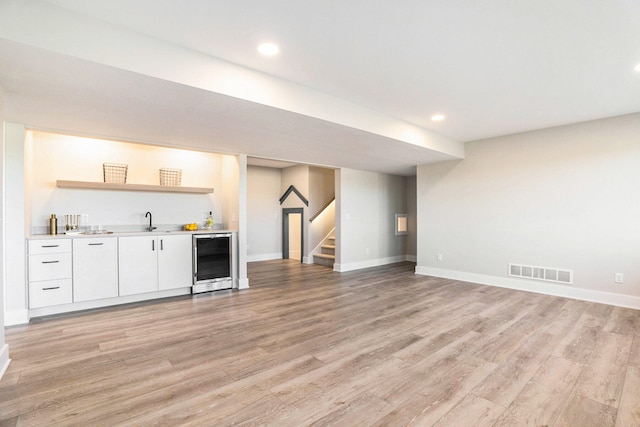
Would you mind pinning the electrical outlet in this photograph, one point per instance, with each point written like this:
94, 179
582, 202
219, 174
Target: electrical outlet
84, 219
619, 278
439, 257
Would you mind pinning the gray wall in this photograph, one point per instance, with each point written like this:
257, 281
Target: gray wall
565, 197
264, 224
365, 216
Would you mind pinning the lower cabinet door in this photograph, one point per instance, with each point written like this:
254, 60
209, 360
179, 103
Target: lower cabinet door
174, 262
138, 264
50, 292
95, 268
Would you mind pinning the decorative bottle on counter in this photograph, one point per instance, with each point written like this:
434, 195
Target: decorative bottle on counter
53, 224
210, 221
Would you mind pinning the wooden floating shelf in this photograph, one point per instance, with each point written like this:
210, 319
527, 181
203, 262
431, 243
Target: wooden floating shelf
85, 185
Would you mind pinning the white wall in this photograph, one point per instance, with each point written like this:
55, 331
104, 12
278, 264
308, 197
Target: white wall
52, 157
264, 224
565, 197
365, 223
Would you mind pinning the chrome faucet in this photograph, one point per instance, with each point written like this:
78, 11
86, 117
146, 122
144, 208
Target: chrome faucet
151, 227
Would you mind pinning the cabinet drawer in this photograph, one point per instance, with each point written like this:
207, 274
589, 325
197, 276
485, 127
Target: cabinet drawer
49, 246
50, 292
49, 267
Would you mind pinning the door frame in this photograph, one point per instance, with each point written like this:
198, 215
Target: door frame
285, 231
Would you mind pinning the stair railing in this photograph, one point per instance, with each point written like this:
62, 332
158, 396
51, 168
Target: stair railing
322, 209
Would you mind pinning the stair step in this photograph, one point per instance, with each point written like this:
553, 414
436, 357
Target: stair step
324, 259
332, 238
328, 247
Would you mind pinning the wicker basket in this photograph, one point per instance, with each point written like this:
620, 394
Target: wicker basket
170, 177
114, 173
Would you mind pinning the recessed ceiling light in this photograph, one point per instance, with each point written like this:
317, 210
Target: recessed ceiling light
268, 49
437, 117
637, 68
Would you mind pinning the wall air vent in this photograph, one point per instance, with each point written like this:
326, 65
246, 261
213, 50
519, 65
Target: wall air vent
556, 275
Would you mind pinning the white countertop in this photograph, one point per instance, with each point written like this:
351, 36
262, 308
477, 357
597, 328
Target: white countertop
128, 233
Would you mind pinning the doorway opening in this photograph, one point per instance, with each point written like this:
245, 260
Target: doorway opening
292, 233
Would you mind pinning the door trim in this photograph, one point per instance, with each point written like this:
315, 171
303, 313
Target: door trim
285, 231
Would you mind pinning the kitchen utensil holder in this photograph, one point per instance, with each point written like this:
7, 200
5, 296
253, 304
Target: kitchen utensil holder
115, 173
72, 223
170, 177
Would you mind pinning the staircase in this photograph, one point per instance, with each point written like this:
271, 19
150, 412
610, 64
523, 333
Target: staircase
328, 255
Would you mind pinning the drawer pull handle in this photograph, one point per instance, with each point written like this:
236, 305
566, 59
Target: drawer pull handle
51, 288
96, 244
50, 262
50, 246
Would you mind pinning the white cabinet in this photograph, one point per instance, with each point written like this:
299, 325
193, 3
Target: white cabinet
174, 262
138, 264
80, 269
50, 280
49, 292
95, 268
152, 263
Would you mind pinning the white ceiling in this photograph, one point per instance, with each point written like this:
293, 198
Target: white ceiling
493, 67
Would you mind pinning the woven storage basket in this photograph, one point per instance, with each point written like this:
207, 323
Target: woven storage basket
170, 177
114, 173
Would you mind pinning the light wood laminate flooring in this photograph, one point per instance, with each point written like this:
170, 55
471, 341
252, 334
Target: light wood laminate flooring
308, 346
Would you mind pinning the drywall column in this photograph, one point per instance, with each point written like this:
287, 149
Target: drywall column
14, 232
338, 218
4, 348
411, 249
243, 280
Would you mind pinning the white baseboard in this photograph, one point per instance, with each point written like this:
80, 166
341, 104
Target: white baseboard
243, 283
106, 302
4, 359
368, 263
264, 257
411, 258
16, 317
559, 290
